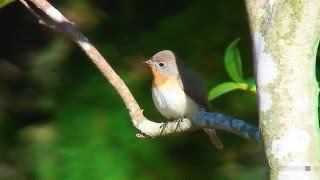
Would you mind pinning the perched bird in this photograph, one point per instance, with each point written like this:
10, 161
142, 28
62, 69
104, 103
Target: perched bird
178, 92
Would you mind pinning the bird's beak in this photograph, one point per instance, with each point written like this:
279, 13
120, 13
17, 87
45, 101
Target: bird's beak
147, 62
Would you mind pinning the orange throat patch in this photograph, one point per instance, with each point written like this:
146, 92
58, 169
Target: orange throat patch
158, 78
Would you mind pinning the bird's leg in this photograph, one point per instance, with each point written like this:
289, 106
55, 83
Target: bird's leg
164, 125
178, 122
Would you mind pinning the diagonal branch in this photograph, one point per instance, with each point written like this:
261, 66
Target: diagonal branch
55, 21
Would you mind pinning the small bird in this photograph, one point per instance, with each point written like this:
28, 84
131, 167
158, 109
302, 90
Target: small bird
178, 92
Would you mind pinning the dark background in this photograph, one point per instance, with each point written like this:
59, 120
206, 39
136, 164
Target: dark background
60, 119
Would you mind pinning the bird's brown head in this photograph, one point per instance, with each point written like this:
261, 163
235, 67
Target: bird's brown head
163, 63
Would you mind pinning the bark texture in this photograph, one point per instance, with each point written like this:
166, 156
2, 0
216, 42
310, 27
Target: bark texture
285, 35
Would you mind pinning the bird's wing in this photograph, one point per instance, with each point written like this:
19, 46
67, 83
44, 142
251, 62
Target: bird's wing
194, 87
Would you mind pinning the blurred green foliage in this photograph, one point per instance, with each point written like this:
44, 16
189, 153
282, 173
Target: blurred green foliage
4, 3
60, 119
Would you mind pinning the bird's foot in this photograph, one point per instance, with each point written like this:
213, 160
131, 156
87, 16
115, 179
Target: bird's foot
178, 121
163, 126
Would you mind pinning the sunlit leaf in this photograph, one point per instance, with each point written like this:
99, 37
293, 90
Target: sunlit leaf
5, 2
232, 61
224, 88
251, 84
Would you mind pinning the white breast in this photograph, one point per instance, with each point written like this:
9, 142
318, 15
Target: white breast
172, 102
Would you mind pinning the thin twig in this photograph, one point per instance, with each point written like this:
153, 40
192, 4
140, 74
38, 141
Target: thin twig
31, 10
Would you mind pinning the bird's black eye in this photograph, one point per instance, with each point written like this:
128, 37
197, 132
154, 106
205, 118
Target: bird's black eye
161, 64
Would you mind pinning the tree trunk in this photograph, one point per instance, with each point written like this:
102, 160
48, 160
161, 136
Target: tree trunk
285, 37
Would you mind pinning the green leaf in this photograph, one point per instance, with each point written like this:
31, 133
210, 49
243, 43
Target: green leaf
251, 84
5, 2
232, 61
224, 88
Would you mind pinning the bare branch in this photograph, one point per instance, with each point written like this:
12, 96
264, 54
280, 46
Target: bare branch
56, 21
201, 120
